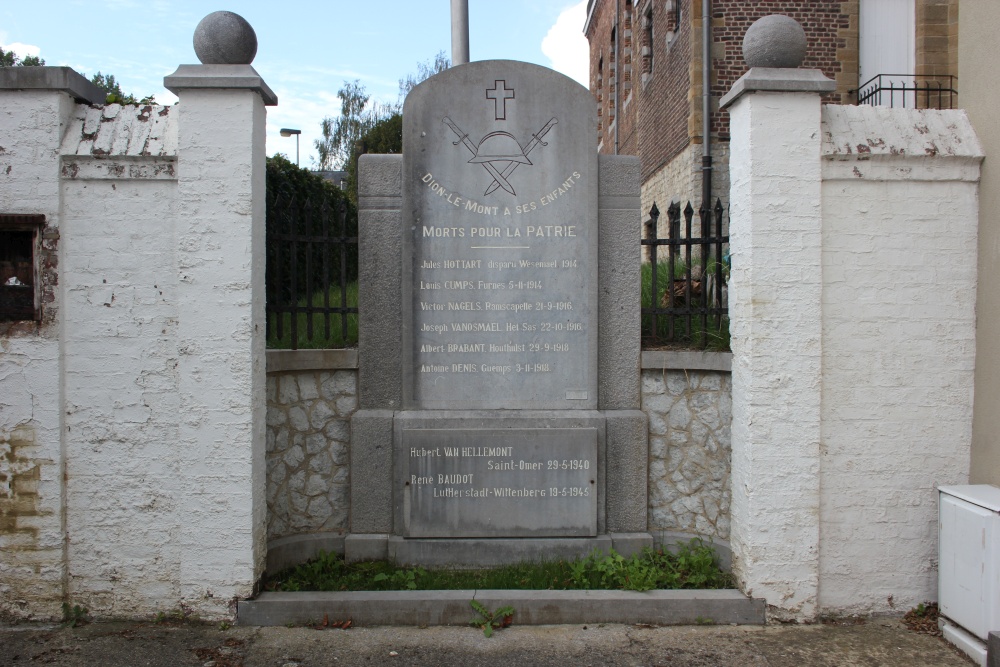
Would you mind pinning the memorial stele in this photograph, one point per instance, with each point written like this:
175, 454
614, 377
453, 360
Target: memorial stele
498, 339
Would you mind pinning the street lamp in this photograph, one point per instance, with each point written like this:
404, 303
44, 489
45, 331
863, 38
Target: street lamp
287, 132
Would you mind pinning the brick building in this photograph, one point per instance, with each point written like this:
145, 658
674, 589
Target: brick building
646, 72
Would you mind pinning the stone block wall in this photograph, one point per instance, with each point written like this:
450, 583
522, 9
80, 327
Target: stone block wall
680, 180
689, 417
937, 37
308, 439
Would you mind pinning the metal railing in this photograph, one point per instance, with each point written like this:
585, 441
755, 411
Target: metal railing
914, 91
684, 298
312, 266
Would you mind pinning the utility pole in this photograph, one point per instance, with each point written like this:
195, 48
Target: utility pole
459, 32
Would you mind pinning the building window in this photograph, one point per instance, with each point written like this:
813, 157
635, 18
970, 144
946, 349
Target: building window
647, 42
613, 76
627, 54
19, 274
600, 80
673, 21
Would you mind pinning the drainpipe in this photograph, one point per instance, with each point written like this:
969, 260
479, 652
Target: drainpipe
706, 104
618, 83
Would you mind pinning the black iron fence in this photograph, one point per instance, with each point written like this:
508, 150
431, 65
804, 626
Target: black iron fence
684, 284
312, 263
312, 268
915, 91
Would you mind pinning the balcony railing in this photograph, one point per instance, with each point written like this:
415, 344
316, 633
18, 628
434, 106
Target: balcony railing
913, 91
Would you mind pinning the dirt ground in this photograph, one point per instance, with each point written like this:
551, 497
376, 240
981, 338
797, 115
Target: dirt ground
881, 642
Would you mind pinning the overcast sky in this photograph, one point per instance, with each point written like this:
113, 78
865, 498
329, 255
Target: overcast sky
306, 50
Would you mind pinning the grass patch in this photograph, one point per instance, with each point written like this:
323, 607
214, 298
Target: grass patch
692, 566
714, 336
320, 340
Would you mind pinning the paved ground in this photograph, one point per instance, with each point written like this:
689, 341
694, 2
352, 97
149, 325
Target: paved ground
883, 642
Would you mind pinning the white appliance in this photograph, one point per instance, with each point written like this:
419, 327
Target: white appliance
969, 565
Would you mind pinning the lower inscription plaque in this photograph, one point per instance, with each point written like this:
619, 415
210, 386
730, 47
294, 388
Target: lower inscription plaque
507, 483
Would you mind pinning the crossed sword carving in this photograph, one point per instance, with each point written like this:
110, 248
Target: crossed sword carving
499, 177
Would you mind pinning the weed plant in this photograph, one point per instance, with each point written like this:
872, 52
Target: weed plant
319, 340
713, 337
692, 566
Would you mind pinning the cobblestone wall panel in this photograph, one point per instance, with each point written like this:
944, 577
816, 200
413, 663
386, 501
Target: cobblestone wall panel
689, 425
308, 440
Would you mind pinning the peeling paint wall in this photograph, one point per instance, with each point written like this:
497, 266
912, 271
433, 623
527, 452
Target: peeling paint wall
132, 417
32, 124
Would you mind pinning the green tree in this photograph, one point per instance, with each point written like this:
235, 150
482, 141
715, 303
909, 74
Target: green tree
385, 136
338, 147
10, 59
425, 70
341, 134
114, 93
106, 82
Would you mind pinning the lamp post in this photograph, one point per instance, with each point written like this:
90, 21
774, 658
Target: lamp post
459, 32
287, 132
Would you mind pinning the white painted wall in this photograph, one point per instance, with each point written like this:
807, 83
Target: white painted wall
853, 295
31, 546
900, 225
775, 326
125, 473
145, 393
221, 364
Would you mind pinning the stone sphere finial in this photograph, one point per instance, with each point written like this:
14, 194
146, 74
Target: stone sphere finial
774, 41
225, 38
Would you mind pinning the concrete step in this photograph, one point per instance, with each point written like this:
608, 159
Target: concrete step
688, 607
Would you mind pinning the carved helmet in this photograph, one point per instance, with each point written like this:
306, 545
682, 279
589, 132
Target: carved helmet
499, 146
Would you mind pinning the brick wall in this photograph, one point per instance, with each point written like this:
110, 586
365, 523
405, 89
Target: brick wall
665, 95
831, 30
604, 63
662, 119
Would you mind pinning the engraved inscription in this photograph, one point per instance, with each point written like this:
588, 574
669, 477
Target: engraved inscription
501, 249
519, 482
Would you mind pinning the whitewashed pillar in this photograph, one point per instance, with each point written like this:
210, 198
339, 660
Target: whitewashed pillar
221, 364
775, 315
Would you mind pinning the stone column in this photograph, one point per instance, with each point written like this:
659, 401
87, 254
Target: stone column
221, 364
776, 319
619, 349
380, 321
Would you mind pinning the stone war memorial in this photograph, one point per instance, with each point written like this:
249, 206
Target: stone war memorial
498, 407
498, 345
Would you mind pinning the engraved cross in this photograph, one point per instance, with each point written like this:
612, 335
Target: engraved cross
500, 93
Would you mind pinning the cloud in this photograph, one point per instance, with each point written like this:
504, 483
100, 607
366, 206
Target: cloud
22, 50
566, 46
